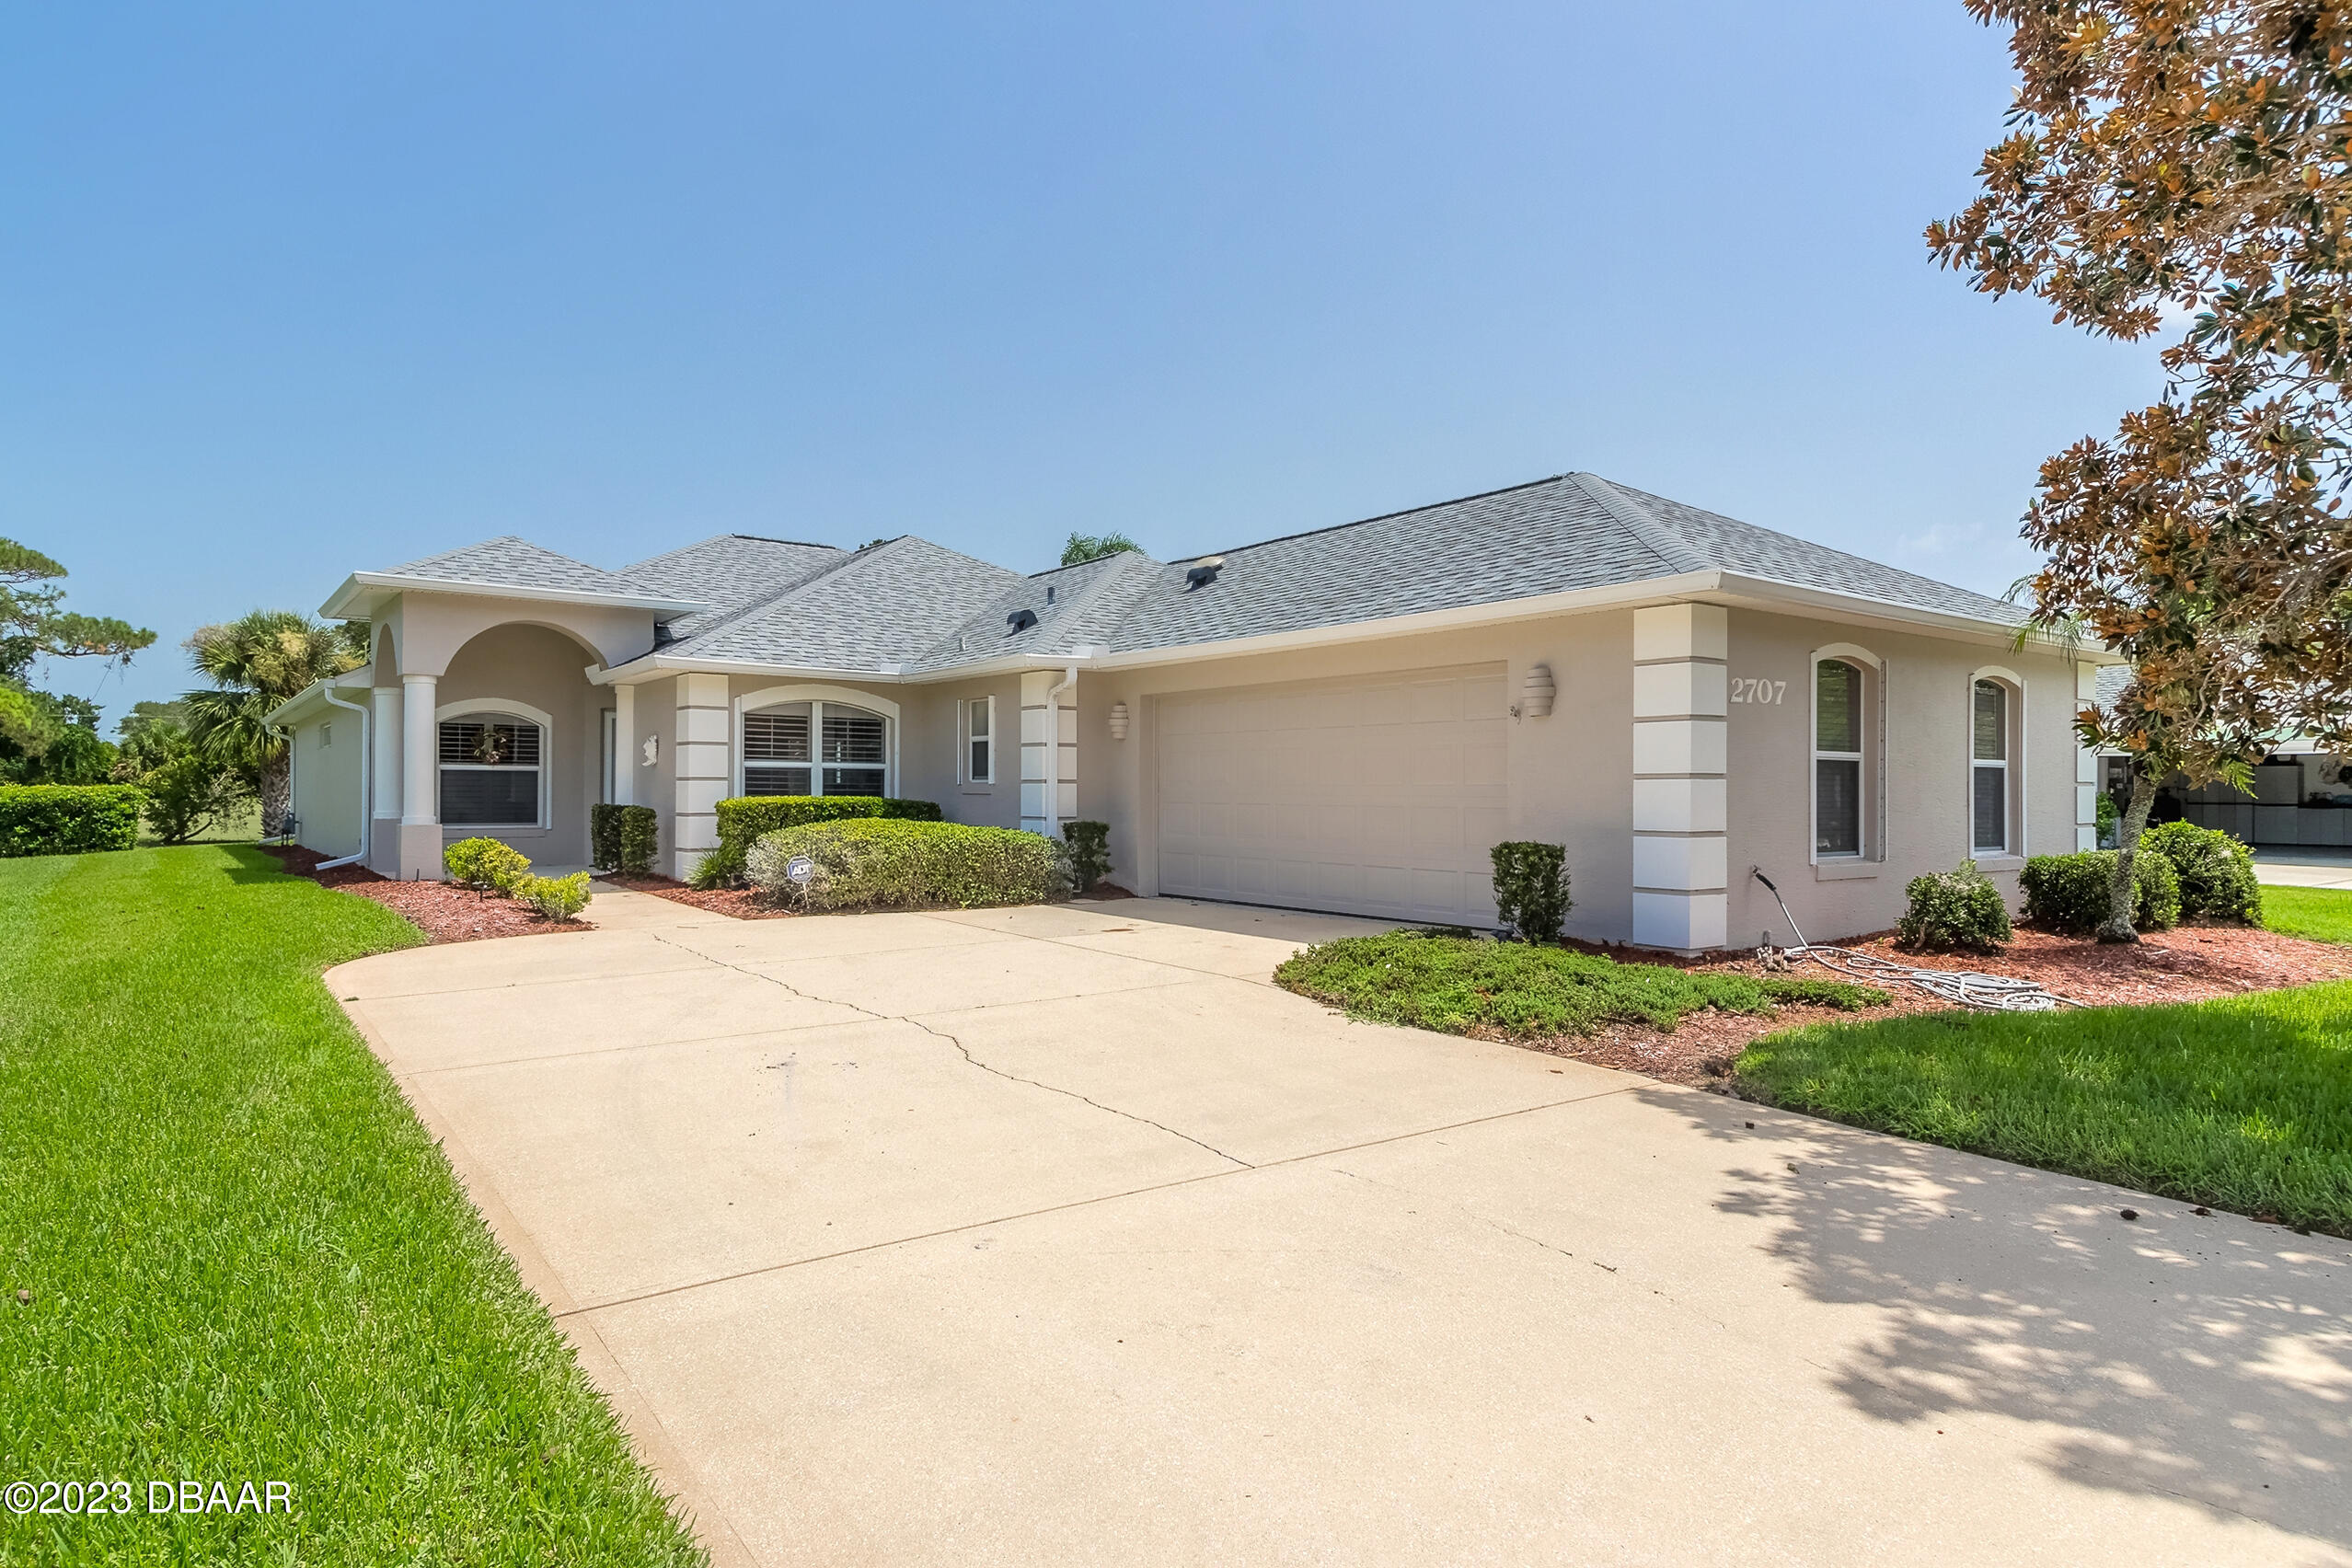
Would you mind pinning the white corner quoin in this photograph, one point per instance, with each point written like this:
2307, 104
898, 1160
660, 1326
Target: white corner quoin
1681, 711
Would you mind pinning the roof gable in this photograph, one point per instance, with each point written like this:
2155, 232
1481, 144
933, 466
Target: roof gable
509, 562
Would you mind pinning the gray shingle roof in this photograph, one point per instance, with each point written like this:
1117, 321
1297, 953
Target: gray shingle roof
511, 562
730, 572
889, 605
912, 604
1733, 546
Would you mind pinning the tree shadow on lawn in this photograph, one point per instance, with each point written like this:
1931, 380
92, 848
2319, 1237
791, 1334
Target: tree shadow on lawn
2209, 1358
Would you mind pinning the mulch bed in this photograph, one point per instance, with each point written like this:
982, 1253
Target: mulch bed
443, 912
2189, 963
743, 903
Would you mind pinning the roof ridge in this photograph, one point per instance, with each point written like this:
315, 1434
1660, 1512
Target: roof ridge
1662, 536
777, 595
1092, 589
1378, 517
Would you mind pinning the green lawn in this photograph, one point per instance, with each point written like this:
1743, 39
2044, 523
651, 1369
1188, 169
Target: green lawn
1457, 985
247, 1262
2242, 1104
2322, 914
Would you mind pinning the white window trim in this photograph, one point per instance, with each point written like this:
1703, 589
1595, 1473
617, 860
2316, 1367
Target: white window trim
2013, 765
817, 697
1869, 825
538, 716
966, 737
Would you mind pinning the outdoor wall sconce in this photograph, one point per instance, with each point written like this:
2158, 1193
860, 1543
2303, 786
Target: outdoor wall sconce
1537, 692
1118, 720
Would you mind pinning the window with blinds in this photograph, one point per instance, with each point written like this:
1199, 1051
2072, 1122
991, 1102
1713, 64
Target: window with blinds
490, 771
1988, 768
855, 751
775, 752
1836, 759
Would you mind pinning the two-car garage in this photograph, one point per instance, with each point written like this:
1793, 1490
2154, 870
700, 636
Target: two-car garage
1380, 796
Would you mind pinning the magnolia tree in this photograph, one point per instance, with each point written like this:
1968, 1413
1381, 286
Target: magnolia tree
2190, 162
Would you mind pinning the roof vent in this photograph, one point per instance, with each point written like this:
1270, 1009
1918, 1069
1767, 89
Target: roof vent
1203, 572
1020, 620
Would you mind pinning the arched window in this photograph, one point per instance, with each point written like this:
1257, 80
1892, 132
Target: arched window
851, 746
1840, 726
490, 769
1993, 773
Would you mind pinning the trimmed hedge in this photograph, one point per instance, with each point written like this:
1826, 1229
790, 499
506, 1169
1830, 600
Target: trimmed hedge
623, 838
1958, 908
2069, 892
1088, 849
2217, 872
1531, 888
746, 819
69, 819
886, 864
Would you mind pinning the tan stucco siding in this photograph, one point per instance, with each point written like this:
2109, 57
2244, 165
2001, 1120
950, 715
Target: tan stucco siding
1568, 775
532, 668
1917, 816
327, 779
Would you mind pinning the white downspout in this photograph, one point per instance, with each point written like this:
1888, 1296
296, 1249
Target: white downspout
367, 782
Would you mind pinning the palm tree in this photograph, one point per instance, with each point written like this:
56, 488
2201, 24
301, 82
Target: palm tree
255, 662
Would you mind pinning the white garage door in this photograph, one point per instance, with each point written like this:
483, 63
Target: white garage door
1371, 797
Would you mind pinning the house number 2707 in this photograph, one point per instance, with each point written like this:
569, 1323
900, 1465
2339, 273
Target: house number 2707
1767, 692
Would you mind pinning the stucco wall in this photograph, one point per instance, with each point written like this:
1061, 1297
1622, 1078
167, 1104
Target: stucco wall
1570, 774
1923, 751
533, 666
327, 780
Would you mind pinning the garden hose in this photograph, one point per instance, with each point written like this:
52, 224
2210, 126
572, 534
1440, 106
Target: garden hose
1965, 988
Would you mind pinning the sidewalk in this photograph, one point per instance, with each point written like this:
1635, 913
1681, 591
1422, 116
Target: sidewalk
2304, 867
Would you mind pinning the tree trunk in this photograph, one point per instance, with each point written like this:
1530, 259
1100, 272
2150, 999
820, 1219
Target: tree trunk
277, 794
2124, 894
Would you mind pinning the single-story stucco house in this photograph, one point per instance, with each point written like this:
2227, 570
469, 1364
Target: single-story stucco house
1342, 719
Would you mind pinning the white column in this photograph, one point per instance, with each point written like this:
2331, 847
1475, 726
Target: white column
1682, 791
2086, 764
419, 753
624, 745
701, 757
386, 761
1048, 752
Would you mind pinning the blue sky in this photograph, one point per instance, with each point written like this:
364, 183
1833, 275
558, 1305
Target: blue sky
289, 292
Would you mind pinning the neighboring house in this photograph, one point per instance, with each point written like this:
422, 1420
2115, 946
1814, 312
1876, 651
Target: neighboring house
1345, 720
2302, 795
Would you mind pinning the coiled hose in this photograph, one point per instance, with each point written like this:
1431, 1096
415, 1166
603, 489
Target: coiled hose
1965, 988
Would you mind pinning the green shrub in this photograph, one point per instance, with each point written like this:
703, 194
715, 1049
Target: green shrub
68, 819
484, 864
1090, 852
623, 838
883, 864
2216, 872
1531, 889
1465, 986
2110, 819
557, 898
746, 819
1958, 908
2069, 892
188, 794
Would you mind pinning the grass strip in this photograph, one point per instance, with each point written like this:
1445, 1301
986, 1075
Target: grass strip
2244, 1103
247, 1261
2317, 914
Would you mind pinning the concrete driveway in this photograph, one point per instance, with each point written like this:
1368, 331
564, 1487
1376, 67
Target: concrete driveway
1059, 1235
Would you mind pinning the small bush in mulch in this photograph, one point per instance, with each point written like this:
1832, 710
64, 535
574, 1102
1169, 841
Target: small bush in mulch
1958, 908
2216, 872
1521, 990
443, 911
2068, 894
